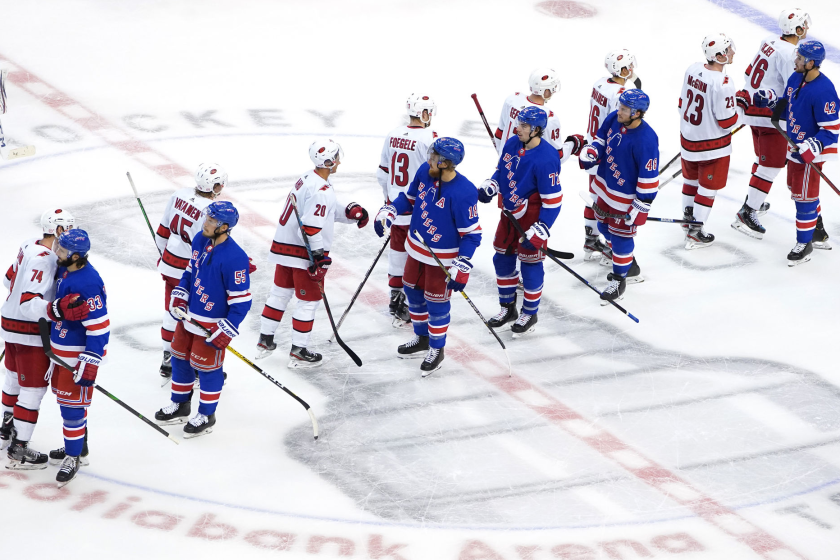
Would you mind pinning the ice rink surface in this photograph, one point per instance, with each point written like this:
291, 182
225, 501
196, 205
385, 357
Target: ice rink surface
710, 430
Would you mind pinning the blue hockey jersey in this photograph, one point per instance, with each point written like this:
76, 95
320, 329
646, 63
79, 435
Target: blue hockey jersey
218, 282
812, 113
521, 173
445, 214
628, 165
69, 338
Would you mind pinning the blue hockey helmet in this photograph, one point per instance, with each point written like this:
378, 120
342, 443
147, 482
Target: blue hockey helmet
533, 116
448, 148
75, 241
635, 99
811, 50
224, 213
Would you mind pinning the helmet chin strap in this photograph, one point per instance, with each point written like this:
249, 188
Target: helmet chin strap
530, 137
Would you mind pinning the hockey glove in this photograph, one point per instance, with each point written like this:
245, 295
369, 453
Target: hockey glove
638, 213
178, 300
69, 308
221, 334
384, 219
742, 98
536, 237
765, 98
577, 143
459, 273
85, 373
588, 156
252, 268
488, 190
318, 270
809, 149
354, 211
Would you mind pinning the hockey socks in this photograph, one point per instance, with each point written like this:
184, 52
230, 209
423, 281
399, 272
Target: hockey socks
533, 275
429, 318
75, 426
806, 220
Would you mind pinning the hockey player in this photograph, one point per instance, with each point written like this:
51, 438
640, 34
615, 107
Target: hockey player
626, 151
528, 179
182, 221
543, 84
444, 210
769, 70
31, 283
81, 344
403, 153
621, 64
810, 104
294, 274
215, 290
708, 113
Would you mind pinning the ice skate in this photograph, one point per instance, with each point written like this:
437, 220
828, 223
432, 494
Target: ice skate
505, 315
58, 455
820, 238
800, 254
21, 458
765, 206
166, 368
199, 425
432, 362
7, 430
688, 215
634, 275
593, 247
173, 413
524, 325
414, 347
698, 239
67, 472
302, 358
614, 290
746, 222
398, 307
265, 345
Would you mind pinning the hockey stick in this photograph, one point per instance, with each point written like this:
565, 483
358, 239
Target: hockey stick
14, 153
44, 331
518, 227
598, 210
305, 237
466, 297
359, 289
484, 120
192, 321
679, 171
775, 120
140, 202
667, 165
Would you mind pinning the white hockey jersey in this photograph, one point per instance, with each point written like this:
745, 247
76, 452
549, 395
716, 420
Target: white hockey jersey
404, 151
182, 220
708, 112
602, 102
507, 122
770, 69
318, 210
31, 283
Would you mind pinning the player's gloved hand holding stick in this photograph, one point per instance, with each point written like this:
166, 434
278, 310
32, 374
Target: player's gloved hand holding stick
461, 267
181, 315
322, 271
518, 227
85, 374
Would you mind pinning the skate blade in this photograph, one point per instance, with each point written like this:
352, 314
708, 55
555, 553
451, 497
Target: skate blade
591, 255
802, 261
181, 420
203, 432
737, 225
398, 323
605, 302
4, 444
165, 381
824, 245
298, 364
414, 356
426, 374
691, 245
605, 261
521, 334
66, 482
18, 466
263, 353
635, 279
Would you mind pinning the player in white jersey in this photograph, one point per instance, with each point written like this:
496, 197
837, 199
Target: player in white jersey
31, 283
403, 152
621, 65
708, 113
769, 70
182, 220
294, 274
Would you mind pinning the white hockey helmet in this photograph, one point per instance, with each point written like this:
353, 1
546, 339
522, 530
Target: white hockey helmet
543, 79
789, 20
51, 219
718, 43
208, 176
619, 59
417, 103
325, 152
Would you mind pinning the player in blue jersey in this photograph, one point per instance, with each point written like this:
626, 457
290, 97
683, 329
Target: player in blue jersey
626, 150
528, 179
215, 291
444, 209
810, 105
82, 345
